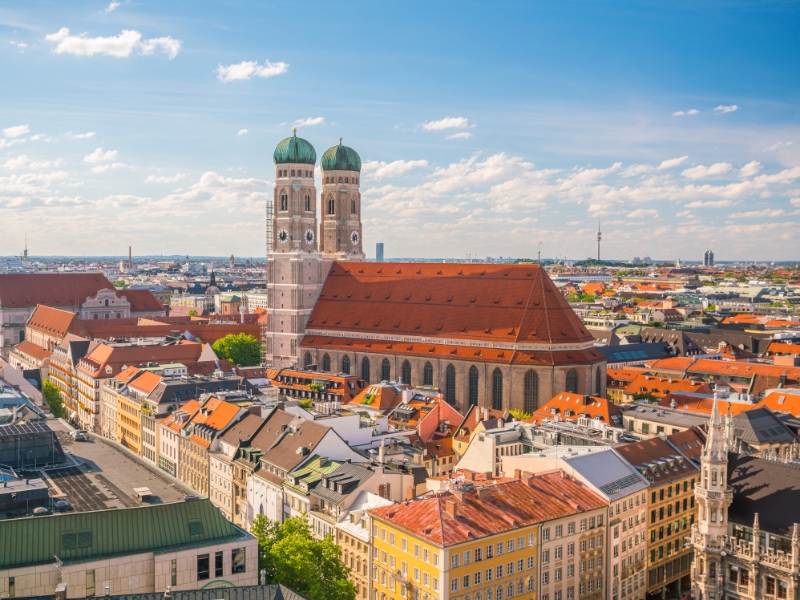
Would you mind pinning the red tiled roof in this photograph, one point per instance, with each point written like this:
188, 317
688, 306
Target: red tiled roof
55, 322
690, 442
660, 386
652, 451
783, 348
743, 369
487, 302
675, 363
703, 404
35, 351
146, 382
782, 401
94, 364
51, 289
455, 517
571, 407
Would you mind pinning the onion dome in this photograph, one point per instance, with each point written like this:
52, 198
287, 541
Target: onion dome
294, 150
340, 158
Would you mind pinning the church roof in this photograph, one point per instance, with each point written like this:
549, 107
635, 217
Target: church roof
494, 303
294, 150
340, 158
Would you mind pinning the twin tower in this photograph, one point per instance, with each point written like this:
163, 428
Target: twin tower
302, 251
295, 226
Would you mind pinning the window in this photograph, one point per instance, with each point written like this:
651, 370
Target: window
571, 549
386, 370
308, 360
510, 546
472, 385
467, 557
406, 372
557, 575
173, 568
308, 203
597, 385
531, 392
545, 556
499, 572
571, 528
450, 385
465, 581
203, 572
346, 365
478, 554
237, 560
416, 574
545, 534
12, 587
489, 551
545, 578
416, 550
326, 363
284, 201
497, 389
218, 564
454, 585
353, 206
477, 578
365, 369
559, 530
331, 206
770, 586
454, 561
558, 553
90, 577
572, 381
427, 374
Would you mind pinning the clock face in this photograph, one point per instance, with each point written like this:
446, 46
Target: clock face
309, 236
354, 238
283, 236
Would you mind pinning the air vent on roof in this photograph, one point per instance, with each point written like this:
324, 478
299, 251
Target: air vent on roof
195, 527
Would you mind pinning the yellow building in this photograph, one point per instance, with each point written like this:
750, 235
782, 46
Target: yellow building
477, 541
129, 409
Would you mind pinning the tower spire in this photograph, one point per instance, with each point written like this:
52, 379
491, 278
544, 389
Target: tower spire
599, 236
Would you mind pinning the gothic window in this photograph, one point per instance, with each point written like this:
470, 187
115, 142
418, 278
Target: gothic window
292, 172
531, 392
346, 365
497, 389
365, 369
572, 381
284, 201
427, 374
331, 205
597, 385
308, 203
473, 386
345, 180
326, 363
353, 206
340, 180
307, 360
386, 370
450, 385
406, 372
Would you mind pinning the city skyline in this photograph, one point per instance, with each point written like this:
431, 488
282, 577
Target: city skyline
481, 133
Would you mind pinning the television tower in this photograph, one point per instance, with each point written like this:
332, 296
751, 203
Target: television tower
599, 236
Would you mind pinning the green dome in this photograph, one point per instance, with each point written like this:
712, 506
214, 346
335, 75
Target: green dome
340, 158
294, 150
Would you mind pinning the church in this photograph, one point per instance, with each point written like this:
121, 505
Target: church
494, 335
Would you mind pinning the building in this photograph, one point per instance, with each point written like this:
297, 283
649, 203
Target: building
651, 420
672, 512
520, 343
274, 591
600, 412
760, 432
708, 258
176, 546
464, 541
379, 252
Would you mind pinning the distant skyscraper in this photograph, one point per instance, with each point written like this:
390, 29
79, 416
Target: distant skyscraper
599, 235
708, 258
379, 252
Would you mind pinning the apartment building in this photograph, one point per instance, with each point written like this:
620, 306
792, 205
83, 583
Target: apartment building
170, 433
62, 373
131, 407
671, 512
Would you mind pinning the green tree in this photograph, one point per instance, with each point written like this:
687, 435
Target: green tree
239, 349
192, 313
52, 395
292, 557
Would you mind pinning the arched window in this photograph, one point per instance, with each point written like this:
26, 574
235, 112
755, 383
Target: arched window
345, 180
346, 365
597, 385
284, 201
386, 370
406, 372
473, 386
353, 206
450, 385
106, 301
365, 369
308, 203
572, 381
427, 374
307, 360
331, 205
292, 172
326, 363
531, 392
497, 389
340, 180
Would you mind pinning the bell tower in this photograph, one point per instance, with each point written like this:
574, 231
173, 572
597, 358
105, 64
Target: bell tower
340, 201
295, 269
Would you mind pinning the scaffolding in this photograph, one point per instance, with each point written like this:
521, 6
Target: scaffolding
268, 213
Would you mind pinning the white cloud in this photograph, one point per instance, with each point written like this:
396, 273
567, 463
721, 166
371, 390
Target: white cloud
682, 113
119, 46
112, 6
99, 156
108, 167
309, 122
642, 213
672, 162
16, 163
726, 109
82, 136
767, 212
164, 179
39, 137
795, 201
250, 69
701, 171
243, 132
585, 176
446, 123
785, 176
20, 45
778, 145
461, 135
750, 169
709, 203
15, 131
379, 170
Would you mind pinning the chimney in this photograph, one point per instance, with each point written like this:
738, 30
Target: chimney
451, 506
517, 473
61, 591
477, 411
322, 461
130, 258
485, 413
409, 493
382, 452
168, 594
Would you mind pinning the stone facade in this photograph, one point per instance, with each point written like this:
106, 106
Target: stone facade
340, 201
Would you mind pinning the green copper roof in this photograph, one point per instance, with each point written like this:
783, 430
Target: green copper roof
340, 158
83, 536
309, 475
294, 150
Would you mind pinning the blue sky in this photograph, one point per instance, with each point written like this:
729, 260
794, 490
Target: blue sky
484, 128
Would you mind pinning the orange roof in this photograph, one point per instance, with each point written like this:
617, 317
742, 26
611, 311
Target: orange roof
440, 447
215, 413
209, 333
115, 357
783, 348
384, 397
35, 351
703, 404
595, 289
677, 364
743, 369
571, 407
146, 382
660, 386
128, 374
624, 375
51, 289
782, 401
55, 322
488, 302
191, 407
